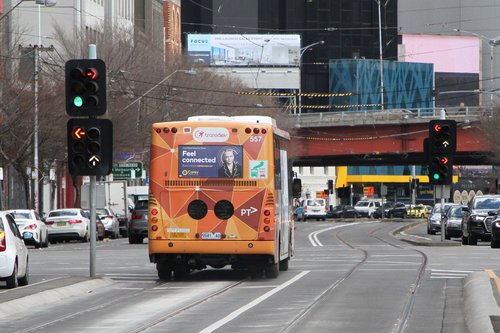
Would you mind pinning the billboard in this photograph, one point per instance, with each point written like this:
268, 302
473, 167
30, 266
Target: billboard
244, 50
204, 161
449, 54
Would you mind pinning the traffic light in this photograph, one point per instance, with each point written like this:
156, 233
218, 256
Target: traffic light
90, 147
85, 87
442, 136
330, 186
439, 150
441, 169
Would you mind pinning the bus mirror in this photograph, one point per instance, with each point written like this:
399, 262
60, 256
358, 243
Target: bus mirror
297, 188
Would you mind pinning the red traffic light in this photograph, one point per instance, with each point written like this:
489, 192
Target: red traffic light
437, 128
444, 160
91, 73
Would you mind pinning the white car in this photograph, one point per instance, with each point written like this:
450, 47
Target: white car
367, 207
314, 209
32, 228
13, 253
110, 221
68, 223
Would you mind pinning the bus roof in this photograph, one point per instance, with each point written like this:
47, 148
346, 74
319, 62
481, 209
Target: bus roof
244, 119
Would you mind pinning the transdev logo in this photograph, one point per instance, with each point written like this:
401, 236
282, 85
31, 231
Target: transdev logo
211, 134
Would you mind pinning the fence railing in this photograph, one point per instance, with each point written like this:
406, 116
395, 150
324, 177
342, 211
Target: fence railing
392, 116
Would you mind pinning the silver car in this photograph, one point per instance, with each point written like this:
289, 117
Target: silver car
452, 221
110, 221
434, 218
66, 224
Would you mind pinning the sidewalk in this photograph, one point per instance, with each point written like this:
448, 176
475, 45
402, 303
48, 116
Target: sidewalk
481, 289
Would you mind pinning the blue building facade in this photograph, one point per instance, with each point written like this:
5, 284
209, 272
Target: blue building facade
406, 85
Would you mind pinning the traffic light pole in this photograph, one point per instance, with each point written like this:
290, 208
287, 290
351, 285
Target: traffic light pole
93, 194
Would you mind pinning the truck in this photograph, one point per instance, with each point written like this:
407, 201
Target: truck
112, 194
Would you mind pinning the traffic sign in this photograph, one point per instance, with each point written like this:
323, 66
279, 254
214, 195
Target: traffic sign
123, 171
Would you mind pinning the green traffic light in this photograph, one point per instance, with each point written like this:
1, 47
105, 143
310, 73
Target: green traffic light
78, 101
435, 176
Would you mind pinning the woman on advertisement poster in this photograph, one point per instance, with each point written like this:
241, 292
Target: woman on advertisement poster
230, 168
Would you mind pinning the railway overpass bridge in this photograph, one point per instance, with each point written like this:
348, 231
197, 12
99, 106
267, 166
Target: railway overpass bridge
386, 137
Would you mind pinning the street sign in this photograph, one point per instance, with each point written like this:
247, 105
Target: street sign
123, 171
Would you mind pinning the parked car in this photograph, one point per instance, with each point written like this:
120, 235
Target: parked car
452, 221
474, 223
314, 209
110, 221
419, 211
341, 211
367, 207
298, 214
383, 209
495, 228
33, 230
99, 229
434, 219
67, 224
398, 210
14, 269
138, 225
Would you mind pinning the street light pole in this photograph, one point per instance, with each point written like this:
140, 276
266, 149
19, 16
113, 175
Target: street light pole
301, 53
191, 72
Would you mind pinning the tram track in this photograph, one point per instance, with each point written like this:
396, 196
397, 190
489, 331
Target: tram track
119, 300
402, 320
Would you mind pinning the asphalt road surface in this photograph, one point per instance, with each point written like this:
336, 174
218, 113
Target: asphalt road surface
348, 276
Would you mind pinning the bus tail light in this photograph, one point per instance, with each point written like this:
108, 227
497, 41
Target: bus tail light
154, 211
267, 228
154, 228
3, 244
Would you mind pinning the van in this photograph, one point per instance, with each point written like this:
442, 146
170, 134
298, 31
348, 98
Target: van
367, 207
314, 209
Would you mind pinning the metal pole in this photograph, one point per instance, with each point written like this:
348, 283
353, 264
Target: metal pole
381, 57
36, 199
491, 74
93, 195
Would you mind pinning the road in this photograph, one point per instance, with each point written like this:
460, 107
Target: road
345, 277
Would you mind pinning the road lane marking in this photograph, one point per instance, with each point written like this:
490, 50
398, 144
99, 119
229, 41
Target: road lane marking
313, 236
495, 278
250, 305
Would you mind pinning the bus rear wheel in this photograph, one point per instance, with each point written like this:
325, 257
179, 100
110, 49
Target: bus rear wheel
272, 270
164, 271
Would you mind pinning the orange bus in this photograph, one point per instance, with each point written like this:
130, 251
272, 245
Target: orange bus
220, 194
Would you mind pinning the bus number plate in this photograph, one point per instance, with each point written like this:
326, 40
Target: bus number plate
211, 235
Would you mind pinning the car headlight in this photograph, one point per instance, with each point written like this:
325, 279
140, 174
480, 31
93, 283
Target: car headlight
477, 218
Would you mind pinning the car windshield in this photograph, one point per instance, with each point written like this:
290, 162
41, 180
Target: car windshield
457, 212
101, 211
362, 203
487, 203
63, 213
